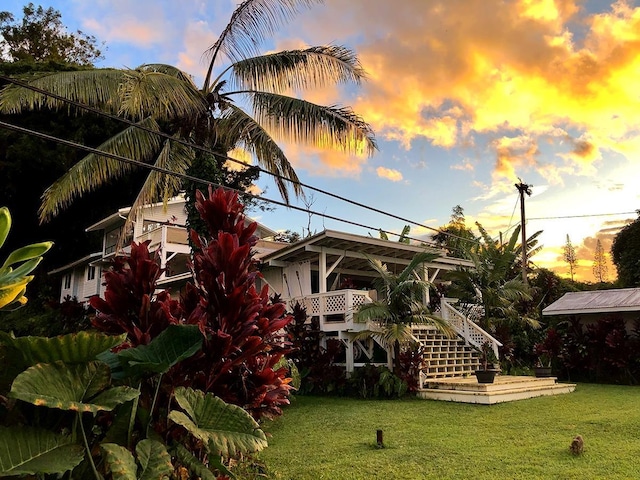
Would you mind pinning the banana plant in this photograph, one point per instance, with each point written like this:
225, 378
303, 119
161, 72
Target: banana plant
16, 269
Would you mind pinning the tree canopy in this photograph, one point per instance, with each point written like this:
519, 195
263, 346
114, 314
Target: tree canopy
625, 253
42, 37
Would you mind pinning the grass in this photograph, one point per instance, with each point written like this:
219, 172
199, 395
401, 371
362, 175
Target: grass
335, 438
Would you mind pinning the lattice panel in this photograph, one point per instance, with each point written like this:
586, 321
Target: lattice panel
335, 304
313, 305
359, 299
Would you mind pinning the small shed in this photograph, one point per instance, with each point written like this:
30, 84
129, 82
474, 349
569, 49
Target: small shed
593, 305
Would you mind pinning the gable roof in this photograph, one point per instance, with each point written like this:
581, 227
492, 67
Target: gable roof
597, 301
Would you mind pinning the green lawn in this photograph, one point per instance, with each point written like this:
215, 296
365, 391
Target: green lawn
335, 438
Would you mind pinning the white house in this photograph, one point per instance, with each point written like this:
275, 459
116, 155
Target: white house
328, 272
164, 226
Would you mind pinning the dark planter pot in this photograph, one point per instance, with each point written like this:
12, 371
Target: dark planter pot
542, 372
486, 376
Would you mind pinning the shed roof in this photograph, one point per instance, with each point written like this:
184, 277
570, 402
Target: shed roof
597, 301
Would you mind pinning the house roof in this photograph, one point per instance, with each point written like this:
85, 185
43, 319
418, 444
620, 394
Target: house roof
81, 261
597, 301
356, 249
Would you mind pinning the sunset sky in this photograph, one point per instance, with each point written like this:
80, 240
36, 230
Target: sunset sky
465, 97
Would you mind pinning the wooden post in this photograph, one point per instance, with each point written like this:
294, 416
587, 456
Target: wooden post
379, 439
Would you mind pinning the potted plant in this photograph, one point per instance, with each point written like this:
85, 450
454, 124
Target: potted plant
546, 351
542, 368
489, 365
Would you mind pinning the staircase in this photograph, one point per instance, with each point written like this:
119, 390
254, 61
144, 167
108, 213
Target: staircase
452, 357
445, 357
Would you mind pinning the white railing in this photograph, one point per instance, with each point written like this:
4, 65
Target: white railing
467, 329
336, 308
164, 234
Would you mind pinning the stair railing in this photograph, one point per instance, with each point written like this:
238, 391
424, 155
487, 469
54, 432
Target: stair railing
466, 328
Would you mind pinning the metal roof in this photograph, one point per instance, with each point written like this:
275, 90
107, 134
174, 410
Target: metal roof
395, 254
597, 301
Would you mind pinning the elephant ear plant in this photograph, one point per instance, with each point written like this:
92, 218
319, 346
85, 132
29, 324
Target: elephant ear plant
66, 413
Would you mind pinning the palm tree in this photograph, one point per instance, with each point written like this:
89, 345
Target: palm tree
494, 281
403, 307
249, 103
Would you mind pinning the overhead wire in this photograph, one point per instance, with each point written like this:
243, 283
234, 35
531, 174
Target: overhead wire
184, 176
225, 157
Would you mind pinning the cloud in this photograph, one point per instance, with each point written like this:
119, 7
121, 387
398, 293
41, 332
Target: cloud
389, 174
456, 71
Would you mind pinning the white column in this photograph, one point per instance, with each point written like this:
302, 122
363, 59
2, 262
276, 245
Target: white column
322, 271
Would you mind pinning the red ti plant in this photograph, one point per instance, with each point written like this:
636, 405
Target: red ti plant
129, 305
241, 324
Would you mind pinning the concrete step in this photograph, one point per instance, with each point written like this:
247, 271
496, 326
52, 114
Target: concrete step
504, 389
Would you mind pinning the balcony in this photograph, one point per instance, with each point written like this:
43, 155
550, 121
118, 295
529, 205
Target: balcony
335, 309
163, 235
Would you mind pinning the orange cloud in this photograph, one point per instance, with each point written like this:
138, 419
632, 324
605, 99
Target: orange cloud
389, 174
449, 71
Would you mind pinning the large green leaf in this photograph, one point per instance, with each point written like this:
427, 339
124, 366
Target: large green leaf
5, 224
155, 461
26, 253
196, 466
173, 345
79, 387
119, 461
27, 451
72, 348
226, 429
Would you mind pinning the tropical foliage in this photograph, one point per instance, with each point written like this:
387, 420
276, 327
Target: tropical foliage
64, 411
162, 99
391, 320
147, 401
455, 237
41, 37
16, 269
494, 282
625, 253
239, 361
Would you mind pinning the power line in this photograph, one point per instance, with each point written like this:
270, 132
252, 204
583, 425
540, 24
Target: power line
218, 155
184, 176
586, 215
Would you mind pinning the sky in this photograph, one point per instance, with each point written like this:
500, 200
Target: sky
466, 97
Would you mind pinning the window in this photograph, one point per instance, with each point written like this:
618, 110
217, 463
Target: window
91, 272
67, 280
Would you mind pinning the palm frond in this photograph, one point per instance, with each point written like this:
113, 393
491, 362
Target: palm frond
417, 260
250, 24
94, 170
167, 70
426, 318
314, 67
152, 92
374, 311
97, 88
254, 139
299, 121
160, 186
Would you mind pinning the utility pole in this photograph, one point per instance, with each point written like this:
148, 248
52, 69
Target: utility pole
522, 189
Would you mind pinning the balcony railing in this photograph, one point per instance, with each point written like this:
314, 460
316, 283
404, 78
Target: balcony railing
164, 234
336, 308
